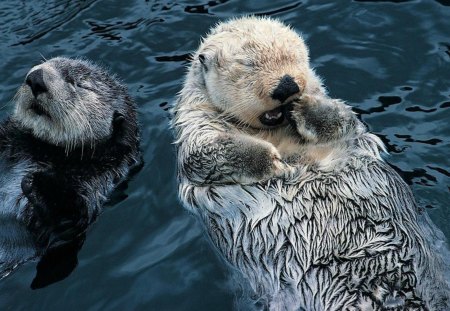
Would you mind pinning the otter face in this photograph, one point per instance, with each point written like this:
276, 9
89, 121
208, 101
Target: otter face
251, 67
69, 102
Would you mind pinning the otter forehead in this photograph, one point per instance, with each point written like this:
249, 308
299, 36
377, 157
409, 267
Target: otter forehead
73, 71
257, 27
69, 102
257, 38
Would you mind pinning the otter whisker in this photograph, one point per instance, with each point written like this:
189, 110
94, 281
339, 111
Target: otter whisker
43, 57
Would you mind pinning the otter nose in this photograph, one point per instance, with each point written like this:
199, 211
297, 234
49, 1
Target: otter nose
35, 80
285, 89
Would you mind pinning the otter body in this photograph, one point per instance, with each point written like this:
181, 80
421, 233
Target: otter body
346, 239
72, 139
304, 209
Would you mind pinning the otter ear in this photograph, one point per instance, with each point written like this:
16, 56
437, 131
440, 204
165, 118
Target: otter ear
118, 123
119, 129
209, 58
202, 59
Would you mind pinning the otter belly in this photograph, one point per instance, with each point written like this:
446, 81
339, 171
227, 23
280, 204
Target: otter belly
16, 243
329, 241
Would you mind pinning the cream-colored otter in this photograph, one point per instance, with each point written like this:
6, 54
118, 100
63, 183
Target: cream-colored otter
290, 186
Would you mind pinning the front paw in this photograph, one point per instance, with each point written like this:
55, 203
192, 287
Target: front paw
30, 188
52, 212
300, 116
320, 119
278, 166
27, 184
261, 161
280, 169
37, 215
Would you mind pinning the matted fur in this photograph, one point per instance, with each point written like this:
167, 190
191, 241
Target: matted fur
308, 214
59, 164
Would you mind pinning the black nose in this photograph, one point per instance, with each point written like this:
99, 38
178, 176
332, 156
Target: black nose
285, 89
36, 81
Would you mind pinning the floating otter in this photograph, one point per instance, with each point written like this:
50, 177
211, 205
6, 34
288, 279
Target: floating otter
72, 139
290, 186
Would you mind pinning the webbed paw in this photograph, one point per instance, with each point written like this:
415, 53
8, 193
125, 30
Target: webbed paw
259, 161
320, 119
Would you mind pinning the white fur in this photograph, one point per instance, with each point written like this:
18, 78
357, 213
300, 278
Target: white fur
340, 231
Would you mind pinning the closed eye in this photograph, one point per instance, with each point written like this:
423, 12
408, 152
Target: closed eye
246, 62
86, 87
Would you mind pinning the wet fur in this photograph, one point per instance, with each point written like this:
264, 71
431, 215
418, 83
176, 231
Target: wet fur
336, 229
64, 183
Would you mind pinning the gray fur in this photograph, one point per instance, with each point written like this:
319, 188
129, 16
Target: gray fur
81, 99
78, 147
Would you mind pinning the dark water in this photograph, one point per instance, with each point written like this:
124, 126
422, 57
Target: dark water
388, 59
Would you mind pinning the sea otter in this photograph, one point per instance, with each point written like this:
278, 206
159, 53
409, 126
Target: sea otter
72, 138
290, 186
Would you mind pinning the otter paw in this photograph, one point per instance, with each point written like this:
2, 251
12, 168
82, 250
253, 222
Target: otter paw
278, 165
266, 163
281, 169
40, 185
37, 216
27, 184
320, 119
31, 191
45, 195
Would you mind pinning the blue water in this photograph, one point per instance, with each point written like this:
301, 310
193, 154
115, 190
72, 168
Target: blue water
388, 59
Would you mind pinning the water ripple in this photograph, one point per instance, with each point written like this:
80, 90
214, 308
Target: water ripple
59, 14
388, 60
203, 8
280, 10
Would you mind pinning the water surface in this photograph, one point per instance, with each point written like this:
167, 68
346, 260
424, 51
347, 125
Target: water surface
389, 59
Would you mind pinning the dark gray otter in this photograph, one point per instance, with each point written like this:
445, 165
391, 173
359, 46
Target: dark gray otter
72, 139
291, 187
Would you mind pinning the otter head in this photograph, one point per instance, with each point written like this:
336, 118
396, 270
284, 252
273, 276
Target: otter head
251, 67
68, 102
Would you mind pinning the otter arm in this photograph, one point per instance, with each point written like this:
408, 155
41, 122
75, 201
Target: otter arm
224, 158
57, 215
320, 119
57, 212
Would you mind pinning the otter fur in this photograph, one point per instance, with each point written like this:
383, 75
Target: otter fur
72, 138
291, 188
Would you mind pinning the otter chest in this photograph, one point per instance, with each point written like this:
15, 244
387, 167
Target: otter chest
308, 236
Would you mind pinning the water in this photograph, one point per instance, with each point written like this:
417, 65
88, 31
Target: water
388, 59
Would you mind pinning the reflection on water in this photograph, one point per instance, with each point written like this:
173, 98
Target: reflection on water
388, 59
